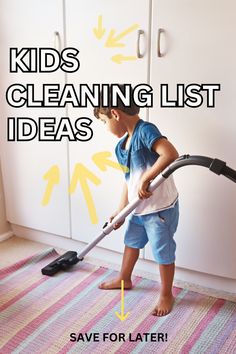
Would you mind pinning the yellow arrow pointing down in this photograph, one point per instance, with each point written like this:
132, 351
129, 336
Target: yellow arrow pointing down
99, 30
122, 316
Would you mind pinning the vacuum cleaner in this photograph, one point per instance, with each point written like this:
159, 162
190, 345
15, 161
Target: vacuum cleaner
70, 258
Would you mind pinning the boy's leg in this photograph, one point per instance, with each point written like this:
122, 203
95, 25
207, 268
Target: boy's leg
166, 298
160, 229
129, 259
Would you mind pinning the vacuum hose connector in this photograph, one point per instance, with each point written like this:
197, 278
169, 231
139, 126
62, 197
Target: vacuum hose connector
215, 165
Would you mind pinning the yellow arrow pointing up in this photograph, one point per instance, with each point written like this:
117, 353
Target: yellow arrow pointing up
113, 41
119, 58
99, 30
53, 177
122, 315
82, 174
102, 161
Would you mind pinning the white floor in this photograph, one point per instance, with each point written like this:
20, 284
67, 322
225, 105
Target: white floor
15, 249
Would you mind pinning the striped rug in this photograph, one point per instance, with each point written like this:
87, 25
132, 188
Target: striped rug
38, 314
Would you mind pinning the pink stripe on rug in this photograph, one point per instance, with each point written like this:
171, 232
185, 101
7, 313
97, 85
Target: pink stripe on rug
15, 313
44, 316
171, 323
97, 318
8, 270
21, 294
230, 347
77, 307
20, 264
202, 325
226, 330
27, 278
132, 300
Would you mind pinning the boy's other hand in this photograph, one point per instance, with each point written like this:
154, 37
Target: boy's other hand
118, 224
143, 192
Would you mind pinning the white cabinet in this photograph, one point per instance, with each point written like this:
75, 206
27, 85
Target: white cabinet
198, 43
98, 56
24, 164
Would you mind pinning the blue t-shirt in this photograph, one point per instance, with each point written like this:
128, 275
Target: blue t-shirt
138, 158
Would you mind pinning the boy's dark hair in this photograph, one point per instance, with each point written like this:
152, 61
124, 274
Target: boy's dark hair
131, 110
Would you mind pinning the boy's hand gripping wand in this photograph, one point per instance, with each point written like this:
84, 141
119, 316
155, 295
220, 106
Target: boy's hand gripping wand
71, 257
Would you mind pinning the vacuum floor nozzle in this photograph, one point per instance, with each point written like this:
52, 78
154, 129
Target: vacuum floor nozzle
61, 263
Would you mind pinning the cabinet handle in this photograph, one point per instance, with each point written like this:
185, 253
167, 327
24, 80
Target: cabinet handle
139, 54
159, 53
57, 41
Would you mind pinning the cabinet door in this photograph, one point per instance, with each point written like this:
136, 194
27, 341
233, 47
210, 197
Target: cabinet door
24, 164
88, 26
198, 46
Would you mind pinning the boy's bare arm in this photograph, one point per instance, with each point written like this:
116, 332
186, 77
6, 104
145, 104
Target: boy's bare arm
124, 197
123, 202
167, 154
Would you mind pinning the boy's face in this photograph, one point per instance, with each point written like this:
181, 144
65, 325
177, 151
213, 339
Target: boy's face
114, 124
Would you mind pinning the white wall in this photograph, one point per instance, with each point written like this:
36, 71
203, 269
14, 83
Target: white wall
4, 225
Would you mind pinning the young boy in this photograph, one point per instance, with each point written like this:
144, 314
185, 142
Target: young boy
146, 153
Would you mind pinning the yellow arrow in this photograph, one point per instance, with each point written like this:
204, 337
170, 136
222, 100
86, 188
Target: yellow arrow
122, 316
82, 174
113, 41
102, 161
99, 30
119, 58
53, 177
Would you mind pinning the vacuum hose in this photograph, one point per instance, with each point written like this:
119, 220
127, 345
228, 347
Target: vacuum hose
215, 165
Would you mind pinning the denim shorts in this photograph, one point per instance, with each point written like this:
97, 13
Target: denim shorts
158, 228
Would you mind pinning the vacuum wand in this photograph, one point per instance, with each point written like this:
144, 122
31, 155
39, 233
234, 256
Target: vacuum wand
71, 257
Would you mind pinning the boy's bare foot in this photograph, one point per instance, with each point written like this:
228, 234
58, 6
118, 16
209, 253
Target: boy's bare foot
164, 305
115, 284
